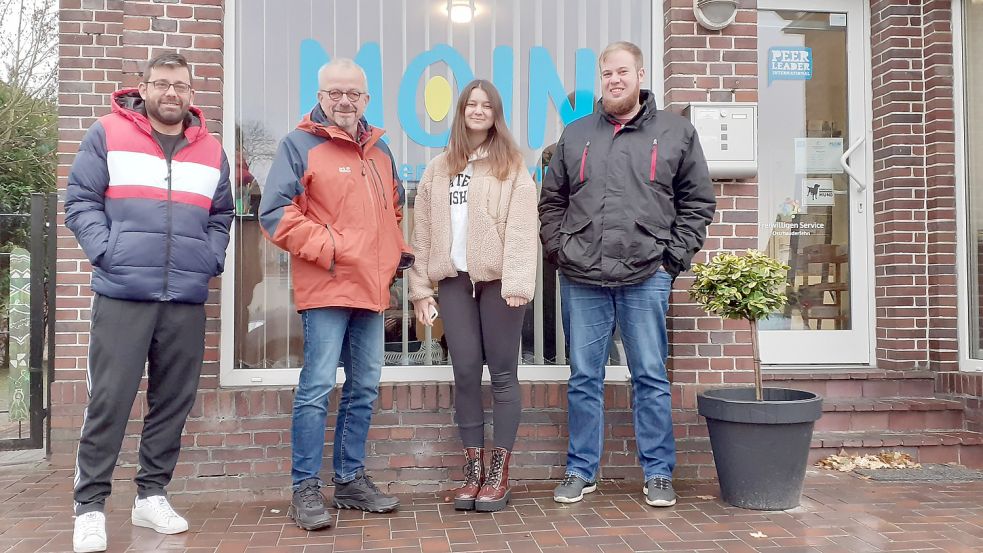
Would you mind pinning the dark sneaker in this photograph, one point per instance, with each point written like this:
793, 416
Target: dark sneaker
572, 489
659, 493
307, 508
362, 493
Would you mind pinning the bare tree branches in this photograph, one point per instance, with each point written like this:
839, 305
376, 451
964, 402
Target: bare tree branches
29, 46
28, 114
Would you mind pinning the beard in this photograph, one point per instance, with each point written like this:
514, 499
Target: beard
169, 117
621, 106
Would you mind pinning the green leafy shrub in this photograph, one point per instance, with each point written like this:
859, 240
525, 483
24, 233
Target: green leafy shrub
750, 287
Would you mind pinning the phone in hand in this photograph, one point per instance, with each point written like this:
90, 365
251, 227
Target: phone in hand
433, 313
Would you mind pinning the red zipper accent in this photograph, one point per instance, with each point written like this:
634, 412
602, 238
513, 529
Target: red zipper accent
655, 158
583, 160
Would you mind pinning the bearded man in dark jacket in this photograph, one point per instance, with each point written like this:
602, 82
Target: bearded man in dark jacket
624, 208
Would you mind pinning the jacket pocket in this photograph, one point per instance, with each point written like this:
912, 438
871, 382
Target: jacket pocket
655, 230
568, 231
107, 258
648, 244
653, 160
582, 176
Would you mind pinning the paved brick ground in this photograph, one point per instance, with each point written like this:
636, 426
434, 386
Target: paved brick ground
839, 512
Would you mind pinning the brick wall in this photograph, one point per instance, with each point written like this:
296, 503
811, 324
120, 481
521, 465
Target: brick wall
914, 185
967, 388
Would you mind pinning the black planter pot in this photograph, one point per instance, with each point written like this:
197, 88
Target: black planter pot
760, 448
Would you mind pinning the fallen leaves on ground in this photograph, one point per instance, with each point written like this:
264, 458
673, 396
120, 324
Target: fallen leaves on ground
882, 460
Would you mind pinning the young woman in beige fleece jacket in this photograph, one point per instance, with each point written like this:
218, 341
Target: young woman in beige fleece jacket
475, 237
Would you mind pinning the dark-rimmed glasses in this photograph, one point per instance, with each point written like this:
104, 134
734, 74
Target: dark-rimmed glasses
162, 86
335, 94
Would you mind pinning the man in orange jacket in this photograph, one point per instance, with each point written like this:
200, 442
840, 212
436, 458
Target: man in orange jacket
333, 201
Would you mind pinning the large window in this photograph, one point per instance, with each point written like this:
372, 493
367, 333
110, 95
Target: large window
972, 53
541, 54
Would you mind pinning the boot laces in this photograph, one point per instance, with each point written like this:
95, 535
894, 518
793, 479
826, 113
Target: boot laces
497, 466
472, 470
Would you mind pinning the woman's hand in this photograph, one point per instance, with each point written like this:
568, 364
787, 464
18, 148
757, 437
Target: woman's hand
516, 301
423, 308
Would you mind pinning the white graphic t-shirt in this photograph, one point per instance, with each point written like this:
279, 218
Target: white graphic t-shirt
459, 217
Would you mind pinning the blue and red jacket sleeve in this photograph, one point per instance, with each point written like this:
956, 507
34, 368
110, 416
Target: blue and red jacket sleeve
283, 208
85, 197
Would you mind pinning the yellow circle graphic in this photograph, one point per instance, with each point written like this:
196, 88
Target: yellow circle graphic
437, 98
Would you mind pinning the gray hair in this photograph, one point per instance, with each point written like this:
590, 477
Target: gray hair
341, 63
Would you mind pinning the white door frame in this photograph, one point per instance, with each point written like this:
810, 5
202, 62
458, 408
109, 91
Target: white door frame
855, 346
966, 362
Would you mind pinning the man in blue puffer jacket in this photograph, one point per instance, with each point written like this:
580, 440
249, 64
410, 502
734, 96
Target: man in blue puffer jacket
150, 202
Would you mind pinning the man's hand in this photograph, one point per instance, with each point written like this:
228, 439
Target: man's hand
423, 309
515, 301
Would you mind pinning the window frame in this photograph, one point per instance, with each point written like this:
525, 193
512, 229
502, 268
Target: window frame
961, 137
230, 376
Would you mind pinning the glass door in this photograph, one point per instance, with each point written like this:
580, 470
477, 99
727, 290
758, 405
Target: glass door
814, 202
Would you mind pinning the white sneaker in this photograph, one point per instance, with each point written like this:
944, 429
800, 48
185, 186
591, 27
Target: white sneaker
155, 512
90, 533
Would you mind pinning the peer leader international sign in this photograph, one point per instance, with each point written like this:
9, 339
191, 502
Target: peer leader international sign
789, 63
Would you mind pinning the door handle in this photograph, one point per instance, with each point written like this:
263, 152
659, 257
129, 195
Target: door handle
844, 162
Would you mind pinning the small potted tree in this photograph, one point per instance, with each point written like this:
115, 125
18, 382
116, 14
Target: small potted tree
760, 436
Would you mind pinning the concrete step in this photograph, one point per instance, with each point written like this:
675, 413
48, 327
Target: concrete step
948, 446
896, 414
836, 383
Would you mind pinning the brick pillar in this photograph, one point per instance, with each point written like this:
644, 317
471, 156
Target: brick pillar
702, 65
914, 185
102, 46
943, 347
900, 228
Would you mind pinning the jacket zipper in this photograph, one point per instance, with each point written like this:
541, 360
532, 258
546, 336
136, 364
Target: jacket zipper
583, 160
367, 179
378, 182
167, 244
378, 218
655, 158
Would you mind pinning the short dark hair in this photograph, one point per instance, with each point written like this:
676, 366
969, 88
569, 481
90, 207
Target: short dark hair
169, 59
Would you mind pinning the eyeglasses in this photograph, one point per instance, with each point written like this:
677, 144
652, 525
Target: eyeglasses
163, 86
335, 94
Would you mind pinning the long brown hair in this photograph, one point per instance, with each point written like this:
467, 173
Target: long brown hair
503, 152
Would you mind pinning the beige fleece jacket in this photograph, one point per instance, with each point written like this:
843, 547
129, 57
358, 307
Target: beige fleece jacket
503, 227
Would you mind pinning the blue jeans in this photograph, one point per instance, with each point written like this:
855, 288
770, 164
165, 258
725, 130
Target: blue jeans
589, 316
353, 337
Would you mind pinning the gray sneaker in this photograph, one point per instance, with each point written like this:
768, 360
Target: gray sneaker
307, 508
659, 493
362, 493
572, 489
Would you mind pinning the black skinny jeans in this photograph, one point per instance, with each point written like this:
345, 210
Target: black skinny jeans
480, 327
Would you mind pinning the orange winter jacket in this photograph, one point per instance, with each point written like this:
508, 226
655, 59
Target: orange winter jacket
335, 205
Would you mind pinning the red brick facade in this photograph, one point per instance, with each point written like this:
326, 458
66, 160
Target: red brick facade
237, 440
914, 185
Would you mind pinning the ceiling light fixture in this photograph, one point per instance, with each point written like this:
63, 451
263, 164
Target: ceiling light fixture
460, 11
